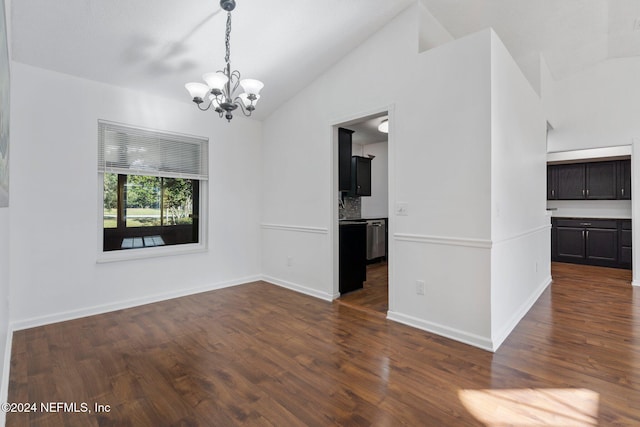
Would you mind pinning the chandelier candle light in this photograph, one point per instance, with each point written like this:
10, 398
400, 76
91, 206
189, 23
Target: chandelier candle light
222, 85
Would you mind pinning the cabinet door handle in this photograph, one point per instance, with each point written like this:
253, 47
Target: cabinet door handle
586, 224
587, 193
582, 193
622, 190
583, 234
553, 193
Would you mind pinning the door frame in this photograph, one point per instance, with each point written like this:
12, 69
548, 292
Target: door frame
333, 193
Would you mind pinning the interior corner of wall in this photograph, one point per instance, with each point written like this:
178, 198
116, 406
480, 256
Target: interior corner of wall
431, 33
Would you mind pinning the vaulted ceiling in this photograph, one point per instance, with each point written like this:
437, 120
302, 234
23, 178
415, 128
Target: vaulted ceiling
158, 45
570, 34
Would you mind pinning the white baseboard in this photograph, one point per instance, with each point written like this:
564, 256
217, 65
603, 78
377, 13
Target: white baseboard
300, 288
455, 334
100, 309
520, 313
6, 368
473, 339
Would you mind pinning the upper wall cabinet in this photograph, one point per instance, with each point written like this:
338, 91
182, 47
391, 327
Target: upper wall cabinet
571, 182
624, 180
360, 176
601, 180
608, 180
552, 182
344, 159
354, 172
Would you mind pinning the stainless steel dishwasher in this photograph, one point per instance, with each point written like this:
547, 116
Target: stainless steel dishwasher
376, 239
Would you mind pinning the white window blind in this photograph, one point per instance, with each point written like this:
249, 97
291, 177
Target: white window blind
134, 151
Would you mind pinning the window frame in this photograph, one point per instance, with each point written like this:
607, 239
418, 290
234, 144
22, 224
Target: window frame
156, 251
172, 234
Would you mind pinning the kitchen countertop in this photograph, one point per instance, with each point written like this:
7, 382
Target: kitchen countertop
351, 222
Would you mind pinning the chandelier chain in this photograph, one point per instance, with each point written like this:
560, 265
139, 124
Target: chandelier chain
227, 39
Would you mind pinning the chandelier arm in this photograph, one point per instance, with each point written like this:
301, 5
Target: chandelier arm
239, 102
235, 74
204, 109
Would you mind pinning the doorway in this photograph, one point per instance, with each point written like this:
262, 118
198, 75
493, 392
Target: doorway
593, 227
362, 147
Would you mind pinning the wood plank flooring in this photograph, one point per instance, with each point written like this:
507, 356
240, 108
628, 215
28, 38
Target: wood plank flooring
258, 354
374, 295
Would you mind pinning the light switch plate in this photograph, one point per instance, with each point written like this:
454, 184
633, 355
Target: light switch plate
402, 209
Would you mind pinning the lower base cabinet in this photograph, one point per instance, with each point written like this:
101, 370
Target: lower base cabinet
353, 256
625, 244
601, 242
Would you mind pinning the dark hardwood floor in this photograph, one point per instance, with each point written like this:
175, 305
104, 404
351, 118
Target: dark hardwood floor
258, 354
374, 295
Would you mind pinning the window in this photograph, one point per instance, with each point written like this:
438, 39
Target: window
151, 184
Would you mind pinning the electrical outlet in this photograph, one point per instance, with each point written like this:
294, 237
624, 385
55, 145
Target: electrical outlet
420, 287
289, 261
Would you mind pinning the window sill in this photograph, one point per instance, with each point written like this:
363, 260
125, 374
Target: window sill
150, 252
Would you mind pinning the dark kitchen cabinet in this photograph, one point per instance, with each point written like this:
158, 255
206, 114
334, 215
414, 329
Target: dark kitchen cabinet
602, 245
571, 181
624, 180
607, 180
360, 176
552, 182
344, 159
624, 253
601, 180
353, 255
590, 241
570, 243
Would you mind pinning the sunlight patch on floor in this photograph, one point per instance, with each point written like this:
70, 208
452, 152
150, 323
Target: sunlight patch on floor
532, 407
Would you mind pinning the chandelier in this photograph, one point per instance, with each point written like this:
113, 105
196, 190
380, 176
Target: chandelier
221, 88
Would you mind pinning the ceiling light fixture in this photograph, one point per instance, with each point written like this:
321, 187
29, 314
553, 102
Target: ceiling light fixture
222, 85
384, 126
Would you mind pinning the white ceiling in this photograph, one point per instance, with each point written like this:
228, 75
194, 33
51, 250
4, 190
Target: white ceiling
365, 130
570, 34
158, 45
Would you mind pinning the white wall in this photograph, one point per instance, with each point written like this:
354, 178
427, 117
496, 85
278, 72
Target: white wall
547, 92
54, 200
442, 151
377, 205
298, 186
596, 108
520, 226
5, 330
518, 149
431, 31
440, 165
5, 351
